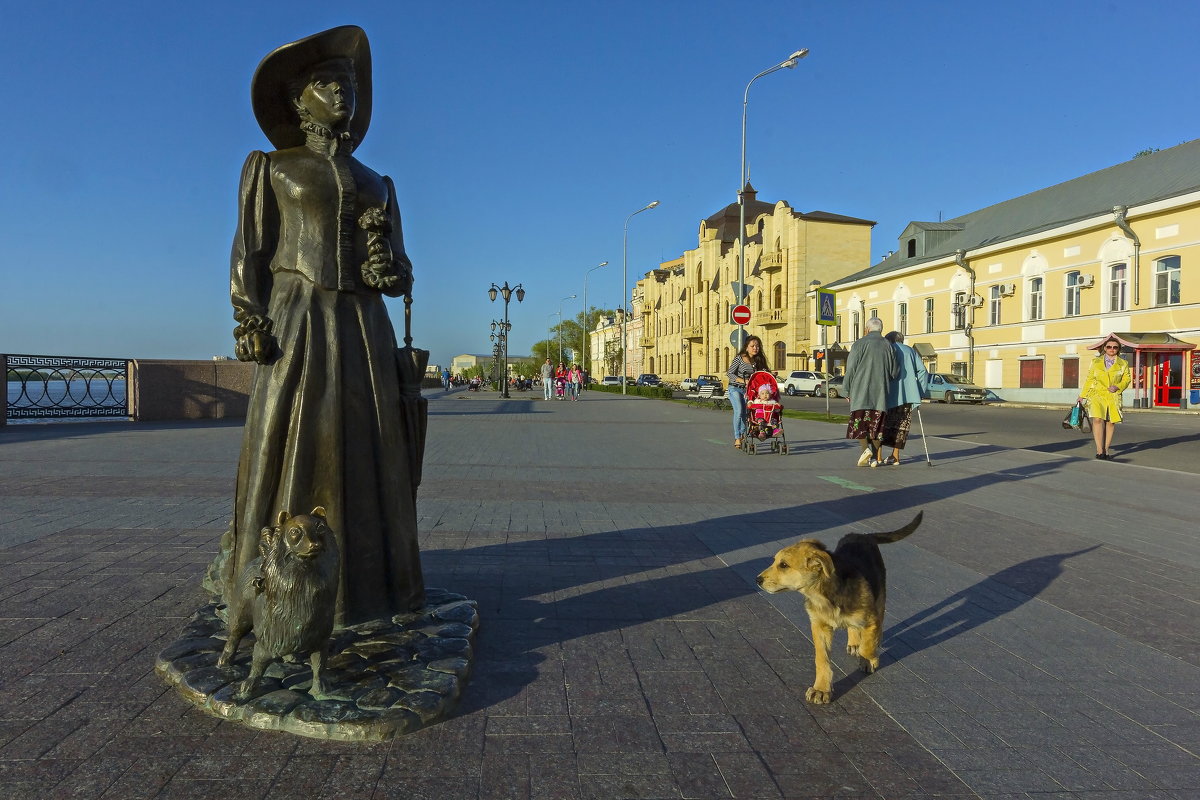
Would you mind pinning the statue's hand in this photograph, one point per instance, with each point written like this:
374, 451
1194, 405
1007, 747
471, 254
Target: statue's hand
256, 346
379, 273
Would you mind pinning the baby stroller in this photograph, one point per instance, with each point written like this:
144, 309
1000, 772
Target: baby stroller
560, 388
764, 417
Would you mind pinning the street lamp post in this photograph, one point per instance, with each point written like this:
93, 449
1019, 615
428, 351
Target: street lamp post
739, 297
587, 333
506, 292
625, 293
499, 338
560, 322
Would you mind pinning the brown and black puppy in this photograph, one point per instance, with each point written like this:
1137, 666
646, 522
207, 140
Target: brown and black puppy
843, 589
287, 597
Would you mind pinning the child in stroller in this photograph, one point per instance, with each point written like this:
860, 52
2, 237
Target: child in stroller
764, 413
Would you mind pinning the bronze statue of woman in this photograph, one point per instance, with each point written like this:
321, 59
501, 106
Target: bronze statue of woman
318, 246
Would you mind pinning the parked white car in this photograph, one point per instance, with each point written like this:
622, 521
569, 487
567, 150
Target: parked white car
804, 382
610, 380
688, 384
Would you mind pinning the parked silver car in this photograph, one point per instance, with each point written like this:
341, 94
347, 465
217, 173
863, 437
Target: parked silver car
948, 388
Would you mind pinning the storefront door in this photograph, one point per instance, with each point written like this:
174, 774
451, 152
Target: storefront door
1166, 379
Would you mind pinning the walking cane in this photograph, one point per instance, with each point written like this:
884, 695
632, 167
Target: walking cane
921, 420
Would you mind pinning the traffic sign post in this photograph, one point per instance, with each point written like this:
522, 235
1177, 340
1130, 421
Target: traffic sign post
737, 339
826, 307
740, 315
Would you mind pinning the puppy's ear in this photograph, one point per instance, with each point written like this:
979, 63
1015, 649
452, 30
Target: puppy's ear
282, 517
266, 539
319, 511
821, 561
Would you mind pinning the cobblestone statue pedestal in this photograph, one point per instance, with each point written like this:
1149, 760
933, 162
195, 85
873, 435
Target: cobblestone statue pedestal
384, 678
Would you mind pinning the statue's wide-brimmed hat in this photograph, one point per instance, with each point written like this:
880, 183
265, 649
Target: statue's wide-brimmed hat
270, 88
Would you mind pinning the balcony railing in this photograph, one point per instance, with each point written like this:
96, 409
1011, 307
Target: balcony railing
646, 341
693, 332
774, 316
772, 262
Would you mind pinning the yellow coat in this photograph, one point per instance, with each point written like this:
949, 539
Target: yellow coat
1103, 404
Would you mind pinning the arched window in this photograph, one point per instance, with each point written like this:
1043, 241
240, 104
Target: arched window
1118, 287
1072, 298
652, 363
855, 323
1166, 281
912, 248
778, 297
780, 356
1036, 299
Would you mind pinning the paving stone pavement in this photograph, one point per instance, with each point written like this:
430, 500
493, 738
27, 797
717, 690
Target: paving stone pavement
1041, 638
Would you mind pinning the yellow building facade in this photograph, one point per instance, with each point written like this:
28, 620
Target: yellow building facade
1018, 295
684, 304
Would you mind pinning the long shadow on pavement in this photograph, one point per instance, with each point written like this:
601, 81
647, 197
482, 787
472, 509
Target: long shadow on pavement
536, 596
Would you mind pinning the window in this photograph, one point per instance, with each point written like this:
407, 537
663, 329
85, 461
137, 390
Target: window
837, 328
778, 296
929, 315
958, 368
760, 296
780, 356
855, 325
1031, 373
912, 248
874, 313
1118, 286
1072, 308
994, 306
1035, 299
1166, 281
959, 310
902, 318
1070, 368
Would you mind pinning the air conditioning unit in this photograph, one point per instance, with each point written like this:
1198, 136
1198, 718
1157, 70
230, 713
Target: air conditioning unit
1086, 281
1008, 289
976, 301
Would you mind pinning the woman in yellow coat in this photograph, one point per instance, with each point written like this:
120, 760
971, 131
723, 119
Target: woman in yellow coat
1108, 376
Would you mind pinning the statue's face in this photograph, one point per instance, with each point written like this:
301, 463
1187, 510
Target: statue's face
329, 96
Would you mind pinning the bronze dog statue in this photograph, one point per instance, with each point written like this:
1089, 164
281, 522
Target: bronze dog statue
286, 596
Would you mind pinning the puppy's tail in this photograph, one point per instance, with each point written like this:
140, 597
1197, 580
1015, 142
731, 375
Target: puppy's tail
895, 536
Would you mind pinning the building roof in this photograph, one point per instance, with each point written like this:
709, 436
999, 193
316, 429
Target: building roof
1146, 179
727, 220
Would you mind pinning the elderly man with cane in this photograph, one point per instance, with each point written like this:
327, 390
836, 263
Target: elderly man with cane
870, 369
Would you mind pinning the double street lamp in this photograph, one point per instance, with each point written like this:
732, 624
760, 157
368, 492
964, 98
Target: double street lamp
740, 297
625, 293
587, 323
506, 292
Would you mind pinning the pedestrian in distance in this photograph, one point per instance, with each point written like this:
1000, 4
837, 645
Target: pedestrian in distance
1108, 376
748, 361
870, 369
547, 380
576, 381
904, 393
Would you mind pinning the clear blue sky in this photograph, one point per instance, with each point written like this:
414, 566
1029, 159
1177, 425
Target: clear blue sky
521, 134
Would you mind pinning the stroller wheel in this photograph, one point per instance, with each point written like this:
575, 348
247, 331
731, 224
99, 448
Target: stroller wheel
752, 447
783, 449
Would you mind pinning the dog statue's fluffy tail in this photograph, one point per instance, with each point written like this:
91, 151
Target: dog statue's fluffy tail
895, 536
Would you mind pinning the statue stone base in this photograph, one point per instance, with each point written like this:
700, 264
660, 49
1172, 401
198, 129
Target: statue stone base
384, 678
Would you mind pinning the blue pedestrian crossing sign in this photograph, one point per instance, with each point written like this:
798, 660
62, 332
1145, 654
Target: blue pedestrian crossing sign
826, 307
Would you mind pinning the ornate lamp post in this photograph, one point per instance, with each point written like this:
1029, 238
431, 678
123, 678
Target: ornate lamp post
506, 292
499, 338
625, 292
587, 333
789, 63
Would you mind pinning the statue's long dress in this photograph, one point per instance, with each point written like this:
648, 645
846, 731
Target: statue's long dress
323, 426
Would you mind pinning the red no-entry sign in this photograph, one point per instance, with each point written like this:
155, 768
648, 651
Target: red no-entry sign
741, 315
